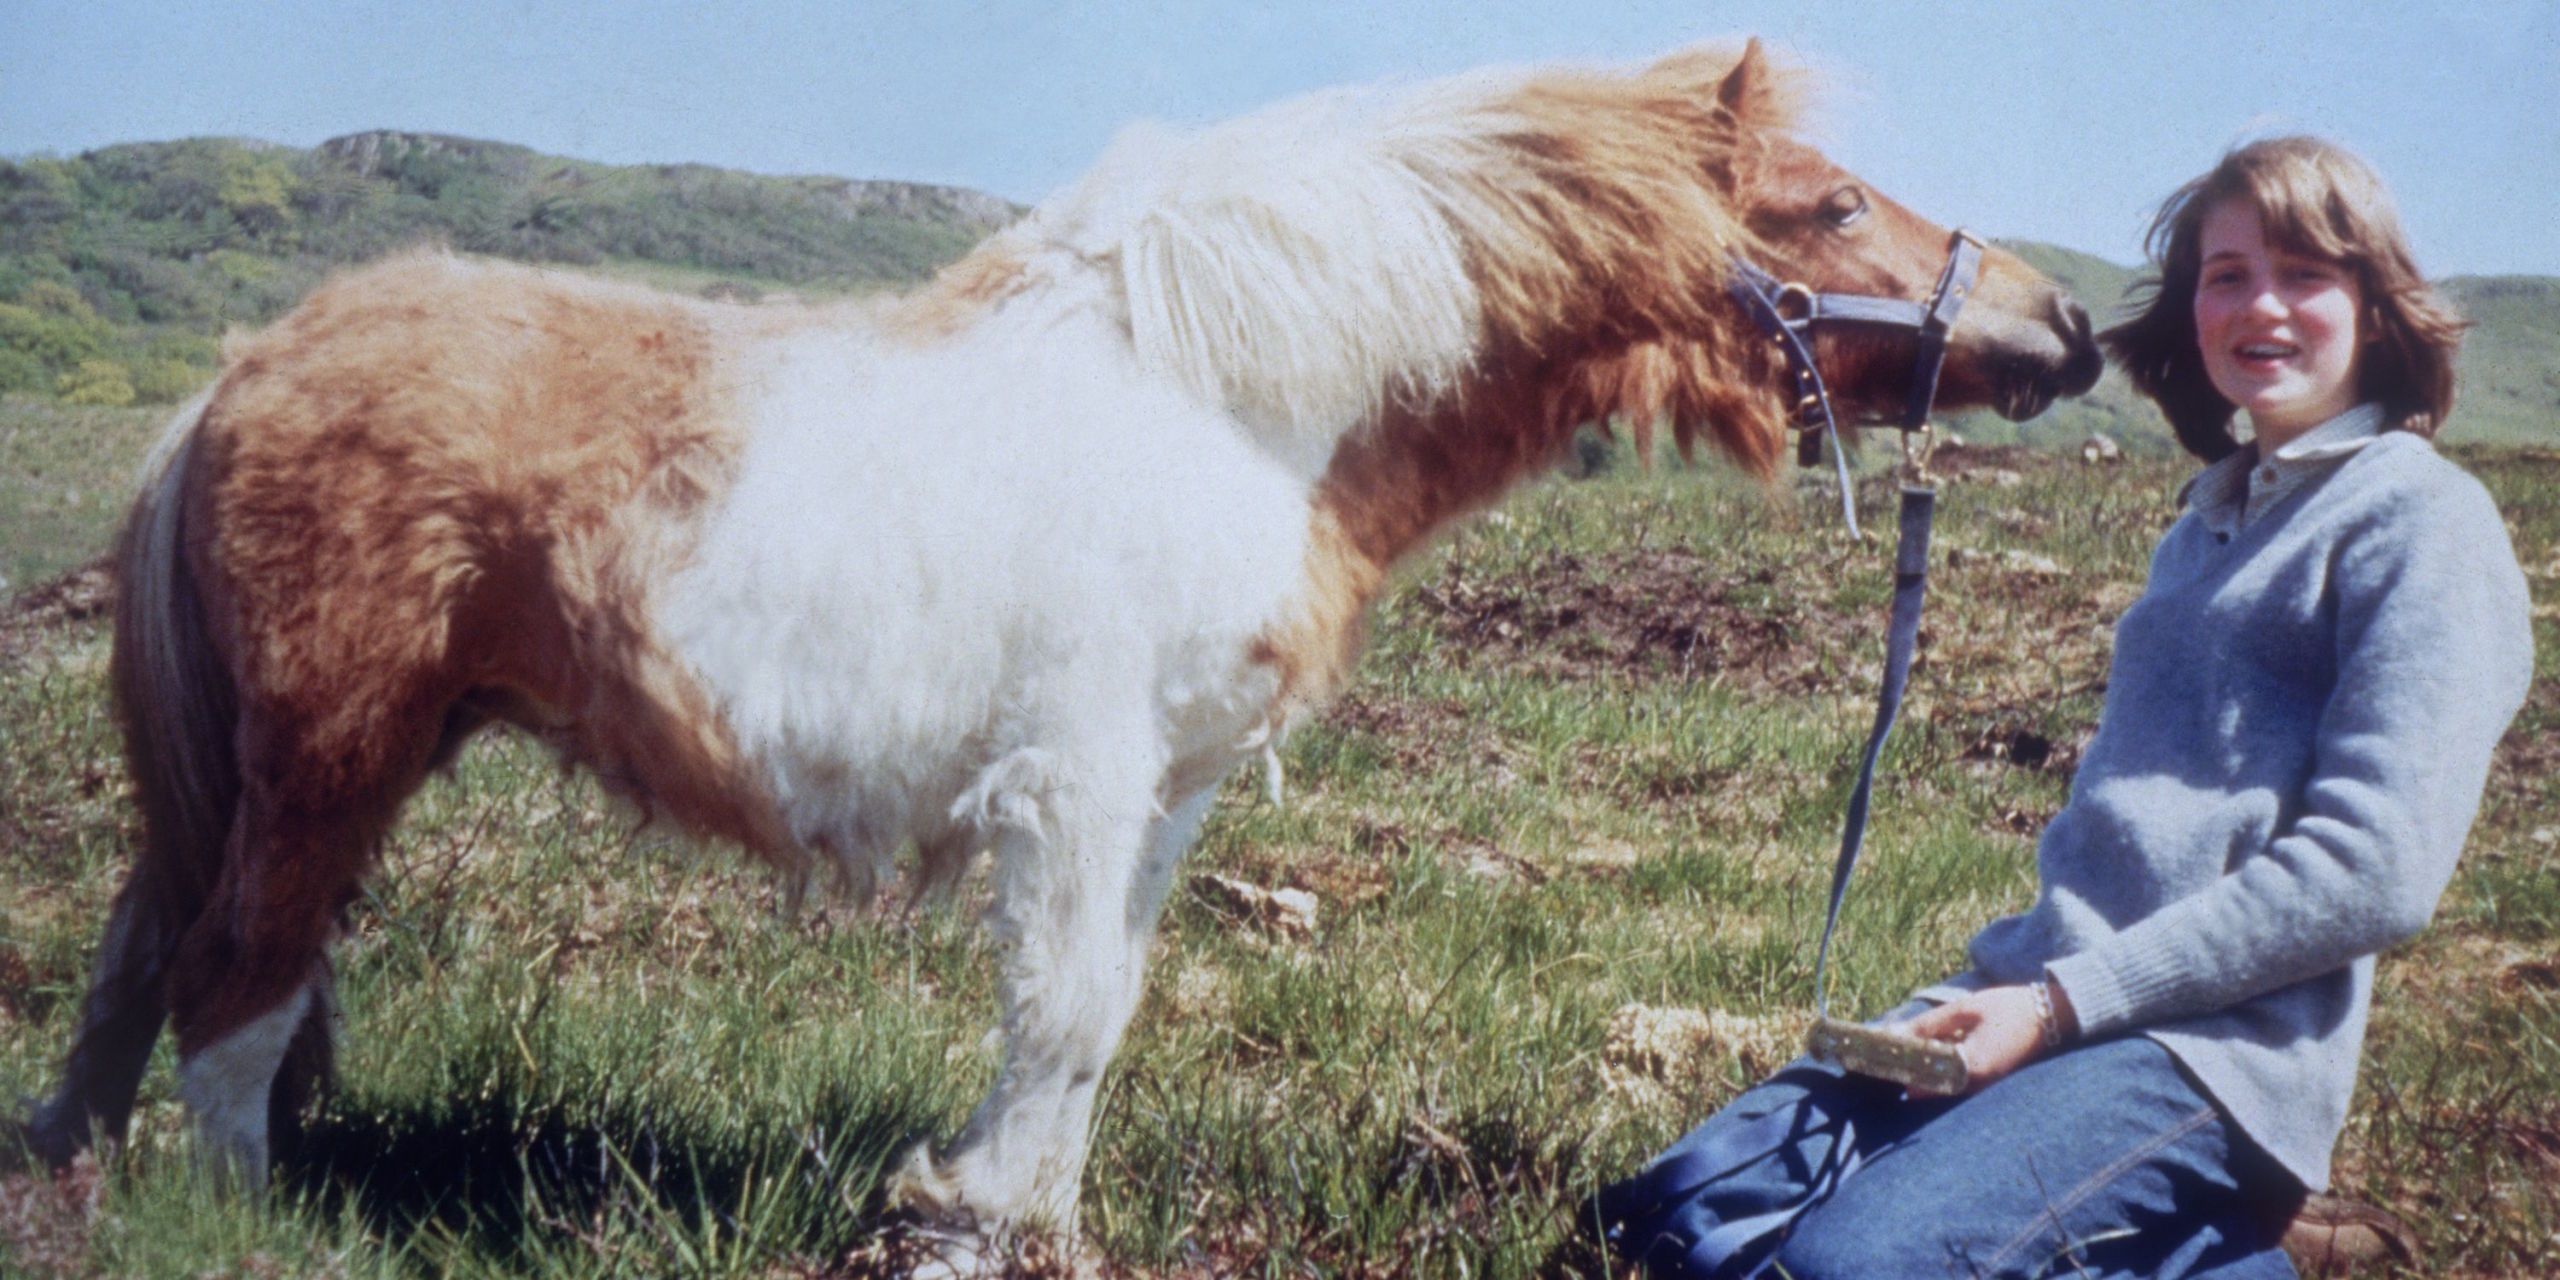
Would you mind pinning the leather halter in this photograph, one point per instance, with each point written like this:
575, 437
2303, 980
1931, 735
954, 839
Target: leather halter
1787, 312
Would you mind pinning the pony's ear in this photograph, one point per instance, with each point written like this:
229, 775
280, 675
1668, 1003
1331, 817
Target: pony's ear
1746, 93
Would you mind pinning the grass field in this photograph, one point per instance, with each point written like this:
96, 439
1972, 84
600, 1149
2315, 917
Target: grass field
1567, 834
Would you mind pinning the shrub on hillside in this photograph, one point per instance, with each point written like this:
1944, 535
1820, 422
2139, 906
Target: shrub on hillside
98, 382
157, 289
257, 189
163, 381
57, 342
22, 372
36, 193
54, 298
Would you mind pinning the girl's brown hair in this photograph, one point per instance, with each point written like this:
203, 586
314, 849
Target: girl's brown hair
2317, 199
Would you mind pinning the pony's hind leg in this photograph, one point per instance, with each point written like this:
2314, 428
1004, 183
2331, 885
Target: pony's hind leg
250, 992
120, 1019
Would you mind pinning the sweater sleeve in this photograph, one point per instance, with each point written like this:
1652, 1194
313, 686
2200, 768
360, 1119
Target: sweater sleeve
2434, 653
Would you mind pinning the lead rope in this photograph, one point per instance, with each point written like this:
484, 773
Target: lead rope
1902, 638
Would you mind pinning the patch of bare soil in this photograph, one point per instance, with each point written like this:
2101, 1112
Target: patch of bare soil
17, 979
2015, 821
2014, 636
1472, 1172
1343, 875
1605, 859
45, 1220
1649, 614
1419, 734
2531, 749
1285, 914
33, 617
2460, 970
1482, 861
1984, 461
2014, 744
2396, 1161
1349, 881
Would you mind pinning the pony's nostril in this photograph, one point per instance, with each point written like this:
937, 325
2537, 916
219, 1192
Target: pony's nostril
2074, 317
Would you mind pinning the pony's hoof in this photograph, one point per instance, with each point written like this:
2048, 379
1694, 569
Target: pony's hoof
935, 1233
921, 1188
912, 1249
28, 1142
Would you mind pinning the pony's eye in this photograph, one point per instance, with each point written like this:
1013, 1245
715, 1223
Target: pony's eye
1844, 206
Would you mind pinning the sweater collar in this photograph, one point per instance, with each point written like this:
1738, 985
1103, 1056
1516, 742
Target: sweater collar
2241, 487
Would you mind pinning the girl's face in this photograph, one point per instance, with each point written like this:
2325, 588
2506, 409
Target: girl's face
2277, 329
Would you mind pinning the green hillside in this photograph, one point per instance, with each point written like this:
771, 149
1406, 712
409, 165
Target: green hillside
2510, 373
120, 268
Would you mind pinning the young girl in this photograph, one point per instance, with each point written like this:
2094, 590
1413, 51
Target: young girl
2298, 724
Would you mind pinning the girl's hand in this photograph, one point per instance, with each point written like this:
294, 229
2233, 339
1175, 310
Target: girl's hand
1998, 1030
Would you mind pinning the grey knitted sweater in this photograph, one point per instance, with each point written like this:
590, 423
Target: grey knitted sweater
2298, 725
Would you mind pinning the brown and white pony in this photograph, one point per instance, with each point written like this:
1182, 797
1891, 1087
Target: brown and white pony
1021, 564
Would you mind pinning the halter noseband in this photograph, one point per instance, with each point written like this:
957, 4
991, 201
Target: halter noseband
1787, 312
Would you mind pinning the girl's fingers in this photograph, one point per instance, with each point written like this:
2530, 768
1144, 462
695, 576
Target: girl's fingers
1944, 1022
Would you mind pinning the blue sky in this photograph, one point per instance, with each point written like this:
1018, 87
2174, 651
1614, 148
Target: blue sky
2060, 121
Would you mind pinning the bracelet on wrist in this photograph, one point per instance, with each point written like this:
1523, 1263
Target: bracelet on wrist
2048, 1022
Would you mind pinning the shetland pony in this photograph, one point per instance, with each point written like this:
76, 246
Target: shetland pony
1019, 565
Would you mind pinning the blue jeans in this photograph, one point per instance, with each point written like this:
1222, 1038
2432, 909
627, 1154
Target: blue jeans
2103, 1161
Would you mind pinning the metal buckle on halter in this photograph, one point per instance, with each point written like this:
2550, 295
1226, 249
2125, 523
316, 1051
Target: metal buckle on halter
1797, 290
1918, 443
1960, 236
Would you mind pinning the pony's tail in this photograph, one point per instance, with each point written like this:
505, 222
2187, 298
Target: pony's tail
174, 695
178, 707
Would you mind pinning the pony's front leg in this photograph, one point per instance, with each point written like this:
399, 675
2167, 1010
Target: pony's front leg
1075, 913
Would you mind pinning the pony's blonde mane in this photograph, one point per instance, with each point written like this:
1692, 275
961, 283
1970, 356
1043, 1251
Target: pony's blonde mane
1318, 262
